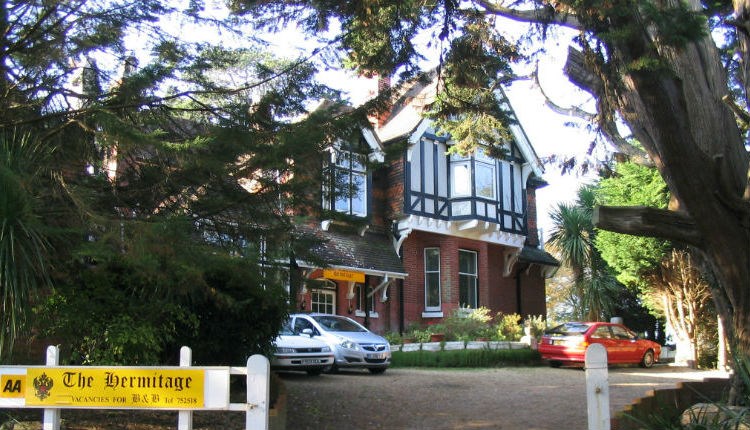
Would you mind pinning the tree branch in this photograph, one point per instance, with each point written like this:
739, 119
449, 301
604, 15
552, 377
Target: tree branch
542, 16
646, 221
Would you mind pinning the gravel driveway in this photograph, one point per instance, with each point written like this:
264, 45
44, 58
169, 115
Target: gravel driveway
528, 398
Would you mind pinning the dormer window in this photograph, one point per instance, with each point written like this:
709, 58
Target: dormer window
351, 175
346, 191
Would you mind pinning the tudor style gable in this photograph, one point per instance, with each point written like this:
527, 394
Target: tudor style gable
473, 195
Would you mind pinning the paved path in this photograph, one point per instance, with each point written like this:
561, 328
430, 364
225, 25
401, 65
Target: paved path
528, 398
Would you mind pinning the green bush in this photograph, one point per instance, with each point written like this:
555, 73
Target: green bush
140, 308
537, 323
419, 335
470, 324
467, 358
508, 327
394, 338
465, 325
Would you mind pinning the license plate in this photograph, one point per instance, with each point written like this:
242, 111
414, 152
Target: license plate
312, 361
380, 356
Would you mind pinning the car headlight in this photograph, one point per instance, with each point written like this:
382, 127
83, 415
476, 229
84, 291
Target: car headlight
283, 350
325, 349
348, 344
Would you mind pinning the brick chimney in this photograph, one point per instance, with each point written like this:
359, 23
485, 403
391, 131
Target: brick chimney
383, 85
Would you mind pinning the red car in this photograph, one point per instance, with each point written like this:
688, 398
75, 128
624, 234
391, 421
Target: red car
567, 343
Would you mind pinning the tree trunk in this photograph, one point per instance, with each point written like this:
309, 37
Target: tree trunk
694, 140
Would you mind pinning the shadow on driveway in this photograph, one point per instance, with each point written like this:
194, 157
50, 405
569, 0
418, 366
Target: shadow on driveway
524, 398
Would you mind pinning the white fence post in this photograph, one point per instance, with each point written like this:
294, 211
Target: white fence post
258, 392
597, 387
185, 418
51, 417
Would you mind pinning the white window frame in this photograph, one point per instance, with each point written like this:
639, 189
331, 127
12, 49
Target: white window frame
482, 161
459, 189
471, 165
471, 277
315, 305
352, 166
434, 273
361, 297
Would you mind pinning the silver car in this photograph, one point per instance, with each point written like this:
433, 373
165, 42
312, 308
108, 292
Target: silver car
300, 352
352, 344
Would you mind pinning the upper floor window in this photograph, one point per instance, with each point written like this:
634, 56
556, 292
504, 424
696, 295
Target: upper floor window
484, 175
351, 176
347, 184
473, 175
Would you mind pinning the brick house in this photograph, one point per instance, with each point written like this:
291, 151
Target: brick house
427, 232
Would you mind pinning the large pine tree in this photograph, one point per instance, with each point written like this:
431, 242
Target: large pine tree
147, 140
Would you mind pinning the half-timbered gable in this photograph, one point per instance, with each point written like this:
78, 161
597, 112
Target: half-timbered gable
466, 189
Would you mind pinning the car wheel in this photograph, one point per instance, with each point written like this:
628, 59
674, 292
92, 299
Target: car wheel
648, 359
377, 370
555, 364
314, 372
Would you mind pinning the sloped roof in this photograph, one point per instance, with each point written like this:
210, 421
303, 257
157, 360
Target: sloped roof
532, 254
371, 253
406, 117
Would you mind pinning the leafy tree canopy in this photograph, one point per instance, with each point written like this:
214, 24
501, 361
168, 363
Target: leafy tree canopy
631, 256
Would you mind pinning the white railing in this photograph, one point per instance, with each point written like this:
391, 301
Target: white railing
96, 388
454, 345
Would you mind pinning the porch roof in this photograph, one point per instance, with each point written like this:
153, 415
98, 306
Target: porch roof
371, 253
535, 255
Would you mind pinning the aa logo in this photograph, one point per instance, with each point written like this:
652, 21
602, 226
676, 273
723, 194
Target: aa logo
12, 386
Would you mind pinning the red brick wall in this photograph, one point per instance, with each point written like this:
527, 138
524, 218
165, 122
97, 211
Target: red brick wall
502, 288
378, 199
395, 187
533, 294
532, 239
496, 291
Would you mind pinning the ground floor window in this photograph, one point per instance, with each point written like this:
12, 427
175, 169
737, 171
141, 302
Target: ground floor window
467, 279
432, 279
323, 301
361, 294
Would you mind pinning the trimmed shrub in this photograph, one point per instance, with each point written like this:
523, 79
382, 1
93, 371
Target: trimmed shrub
467, 358
463, 325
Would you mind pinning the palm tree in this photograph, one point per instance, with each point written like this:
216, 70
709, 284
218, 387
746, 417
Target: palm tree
572, 238
23, 241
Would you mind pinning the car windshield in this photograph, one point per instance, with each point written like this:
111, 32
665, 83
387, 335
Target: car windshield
286, 330
568, 329
333, 323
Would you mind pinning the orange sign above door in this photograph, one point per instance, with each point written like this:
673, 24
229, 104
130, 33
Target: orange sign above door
344, 275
